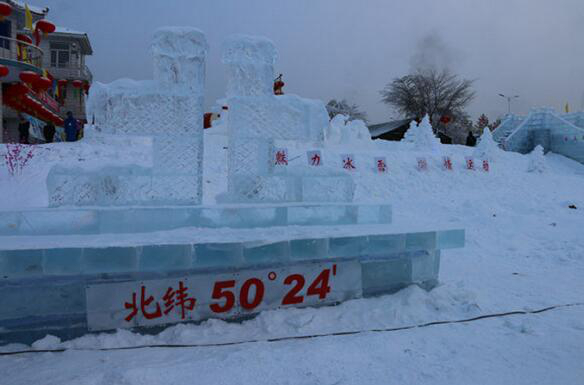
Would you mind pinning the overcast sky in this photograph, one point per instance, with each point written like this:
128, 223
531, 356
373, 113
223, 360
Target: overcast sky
351, 49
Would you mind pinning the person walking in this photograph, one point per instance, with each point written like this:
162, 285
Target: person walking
23, 129
49, 132
71, 128
471, 141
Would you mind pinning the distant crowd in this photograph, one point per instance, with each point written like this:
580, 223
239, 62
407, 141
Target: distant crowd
72, 130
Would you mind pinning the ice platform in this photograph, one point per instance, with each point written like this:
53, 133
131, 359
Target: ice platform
47, 265
140, 219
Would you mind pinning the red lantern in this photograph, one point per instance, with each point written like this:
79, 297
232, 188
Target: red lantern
62, 82
24, 38
29, 77
3, 70
45, 26
5, 10
77, 83
43, 83
445, 119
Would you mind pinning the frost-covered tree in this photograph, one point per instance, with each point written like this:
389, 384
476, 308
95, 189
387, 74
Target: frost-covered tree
482, 122
343, 107
430, 92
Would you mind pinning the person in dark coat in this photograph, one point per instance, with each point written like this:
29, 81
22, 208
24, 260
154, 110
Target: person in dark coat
23, 129
49, 132
471, 140
71, 128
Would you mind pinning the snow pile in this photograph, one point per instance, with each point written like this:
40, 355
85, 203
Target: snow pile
422, 136
343, 131
537, 160
486, 148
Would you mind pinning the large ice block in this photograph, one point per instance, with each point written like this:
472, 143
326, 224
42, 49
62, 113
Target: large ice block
169, 109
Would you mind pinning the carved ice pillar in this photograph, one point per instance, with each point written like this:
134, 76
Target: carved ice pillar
179, 74
258, 120
167, 109
252, 122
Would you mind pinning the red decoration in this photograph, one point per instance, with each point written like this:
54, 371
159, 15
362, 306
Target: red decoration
24, 38
445, 119
29, 77
77, 83
45, 26
43, 83
278, 85
3, 70
62, 82
5, 10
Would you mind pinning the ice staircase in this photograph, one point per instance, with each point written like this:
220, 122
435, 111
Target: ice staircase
506, 128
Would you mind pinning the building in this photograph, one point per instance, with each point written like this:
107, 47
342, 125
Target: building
396, 130
560, 133
42, 71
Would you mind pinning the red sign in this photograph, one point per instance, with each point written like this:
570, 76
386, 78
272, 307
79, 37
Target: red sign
314, 158
381, 165
281, 155
348, 162
45, 98
157, 302
447, 163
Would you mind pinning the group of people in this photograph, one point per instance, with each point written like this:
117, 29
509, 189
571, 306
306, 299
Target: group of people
71, 126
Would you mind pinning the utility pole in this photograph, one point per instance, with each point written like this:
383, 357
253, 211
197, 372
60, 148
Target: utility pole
509, 101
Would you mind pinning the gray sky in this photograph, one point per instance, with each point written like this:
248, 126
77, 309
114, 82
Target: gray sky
351, 49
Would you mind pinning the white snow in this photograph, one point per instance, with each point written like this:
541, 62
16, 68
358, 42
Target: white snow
537, 160
524, 250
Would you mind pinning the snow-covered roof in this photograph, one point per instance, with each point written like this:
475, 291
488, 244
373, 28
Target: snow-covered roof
81, 37
59, 29
382, 128
33, 9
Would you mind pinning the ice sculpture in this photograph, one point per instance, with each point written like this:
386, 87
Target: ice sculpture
487, 147
168, 109
536, 160
422, 136
341, 130
258, 120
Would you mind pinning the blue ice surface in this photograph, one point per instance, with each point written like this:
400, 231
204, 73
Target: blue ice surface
45, 288
83, 221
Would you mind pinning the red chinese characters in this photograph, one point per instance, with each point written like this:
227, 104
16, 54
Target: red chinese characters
178, 298
422, 164
470, 163
281, 157
315, 160
485, 165
380, 165
447, 163
348, 162
151, 309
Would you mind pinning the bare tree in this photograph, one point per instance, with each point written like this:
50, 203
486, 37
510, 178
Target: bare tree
440, 94
335, 107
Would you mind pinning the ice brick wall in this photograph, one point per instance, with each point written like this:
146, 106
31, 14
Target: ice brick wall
258, 119
169, 109
556, 133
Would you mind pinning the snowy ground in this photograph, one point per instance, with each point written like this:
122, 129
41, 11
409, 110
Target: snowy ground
524, 251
